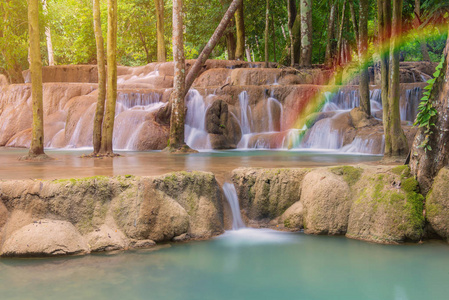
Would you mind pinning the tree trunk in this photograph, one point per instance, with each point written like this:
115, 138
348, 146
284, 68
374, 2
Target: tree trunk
108, 123
160, 5
37, 140
422, 41
291, 8
99, 113
273, 36
354, 20
306, 33
398, 147
231, 44
196, 68
384, 20
240, 28
425, 164
339, 71
363, 49
328, 57
51, 58
267, 26
178, 95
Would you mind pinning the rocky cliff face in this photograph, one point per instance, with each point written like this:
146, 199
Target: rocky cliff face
79, 216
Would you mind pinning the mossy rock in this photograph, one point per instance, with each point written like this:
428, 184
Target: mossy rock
387, 207
437, 204
265, 194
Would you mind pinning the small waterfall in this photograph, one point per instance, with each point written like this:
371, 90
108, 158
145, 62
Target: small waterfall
245, 113
231, 196
196, 136
409, 107
323, 135
270, 103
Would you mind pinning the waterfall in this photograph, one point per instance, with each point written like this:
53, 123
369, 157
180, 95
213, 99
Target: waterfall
231, 196
273, 101
196, 136
245, 124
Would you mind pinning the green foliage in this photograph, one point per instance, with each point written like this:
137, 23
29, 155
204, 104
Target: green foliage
427, 111
13, 34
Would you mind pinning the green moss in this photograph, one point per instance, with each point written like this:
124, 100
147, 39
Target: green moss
350, 174
410, 185
287, 223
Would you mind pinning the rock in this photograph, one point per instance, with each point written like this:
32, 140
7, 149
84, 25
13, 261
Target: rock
256, 76
293, 217
326, 200
359, 118
106, 239
217, 117
386, 207
214, 77
181, 238
437, 204
70, 73
138, 244
265, 194
45, 238
224, 131
3, 80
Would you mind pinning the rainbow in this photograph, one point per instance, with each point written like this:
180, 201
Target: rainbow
316, 102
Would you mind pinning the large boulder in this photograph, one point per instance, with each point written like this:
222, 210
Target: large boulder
224, 130
265, 194
327, 200
45, 238
437, 204
387, 207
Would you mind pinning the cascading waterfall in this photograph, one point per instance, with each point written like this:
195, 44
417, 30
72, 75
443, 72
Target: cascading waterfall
196, 136
231, 196
245, 110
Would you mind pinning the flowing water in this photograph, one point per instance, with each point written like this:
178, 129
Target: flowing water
245, 264
231, 196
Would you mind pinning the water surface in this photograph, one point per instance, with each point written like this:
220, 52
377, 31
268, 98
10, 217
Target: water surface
245, 264
69, 164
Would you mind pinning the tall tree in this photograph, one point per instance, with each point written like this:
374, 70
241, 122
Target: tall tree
240, 29
108, 123
37, 140
306, 32
178, 95
430, 152
231, 43
51, 56
339, 71
363, 49
291, 9
355, 26
328, 57
395, 140
99, 113
160, 6
422, 42
267, 28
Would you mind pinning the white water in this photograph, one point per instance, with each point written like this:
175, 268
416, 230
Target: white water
196, 136
245, 113
231, 196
